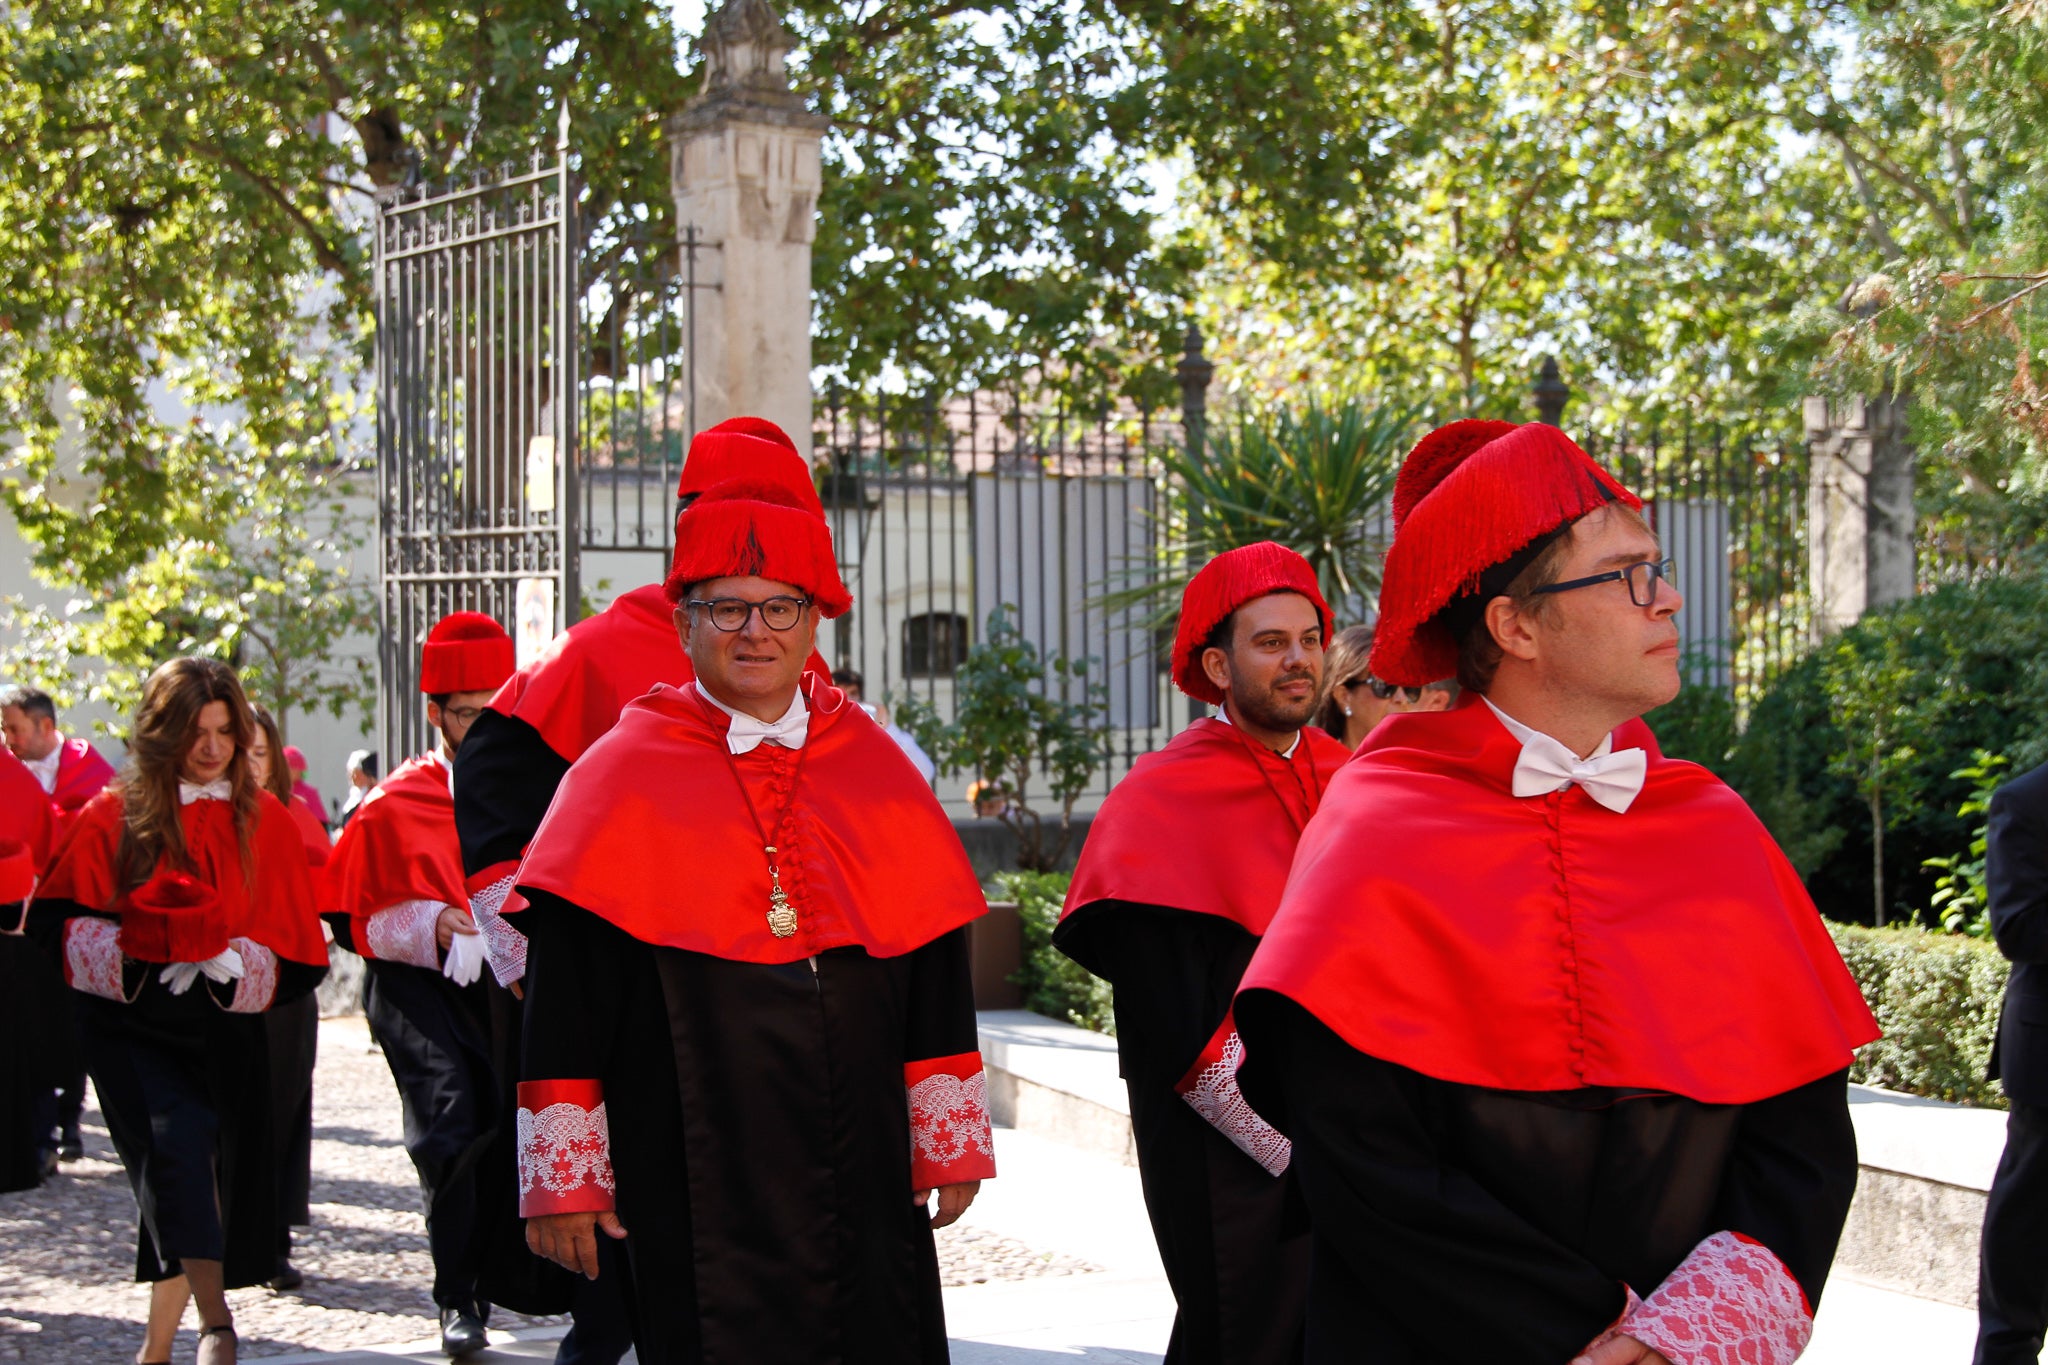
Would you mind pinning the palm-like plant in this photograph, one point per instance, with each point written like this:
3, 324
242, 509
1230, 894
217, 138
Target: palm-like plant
1315, 477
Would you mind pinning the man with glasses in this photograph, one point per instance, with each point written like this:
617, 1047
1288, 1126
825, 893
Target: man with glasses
1181, 873
751, 1059
1558, 1037
396, 895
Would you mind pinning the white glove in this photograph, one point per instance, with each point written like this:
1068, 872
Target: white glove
465, 959
221, 967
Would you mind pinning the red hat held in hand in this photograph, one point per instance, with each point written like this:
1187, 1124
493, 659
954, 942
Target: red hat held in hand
1224, 584
466, 651
752, 527
1473, 504
17, 872
172, 918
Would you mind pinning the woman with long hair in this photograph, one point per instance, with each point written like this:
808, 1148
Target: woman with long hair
181, 908
1349, 707
292, 1029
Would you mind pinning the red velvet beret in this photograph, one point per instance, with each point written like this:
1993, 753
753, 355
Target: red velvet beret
466, 651
172, 918
1226, 583
1469, 507
750, 448
754, 527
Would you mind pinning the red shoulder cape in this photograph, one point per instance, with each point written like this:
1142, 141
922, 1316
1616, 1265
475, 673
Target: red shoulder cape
25, 811
274, 905
1437, 921
575, 690
1207, 824
81, 773
649, 831
400, 845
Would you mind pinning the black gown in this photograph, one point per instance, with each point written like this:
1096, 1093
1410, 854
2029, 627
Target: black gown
1234, 1239
760, 1137
1457, 1224
41, 1052
185, 1090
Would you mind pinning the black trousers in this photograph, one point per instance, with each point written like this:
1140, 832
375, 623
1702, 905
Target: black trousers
2012, 1283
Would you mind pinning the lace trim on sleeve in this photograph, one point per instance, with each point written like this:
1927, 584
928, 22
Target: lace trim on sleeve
404, 933
504, 946
565, 1163
1211, 1090
1731, 1302
92, 957
257, 988
951, 1139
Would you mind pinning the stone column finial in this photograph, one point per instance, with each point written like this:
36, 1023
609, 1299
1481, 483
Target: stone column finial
745, 171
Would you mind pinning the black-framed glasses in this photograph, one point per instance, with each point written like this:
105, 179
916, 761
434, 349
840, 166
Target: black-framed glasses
731, 613
1641, 578
461, 715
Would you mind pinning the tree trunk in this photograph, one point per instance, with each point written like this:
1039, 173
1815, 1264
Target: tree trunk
1876, 849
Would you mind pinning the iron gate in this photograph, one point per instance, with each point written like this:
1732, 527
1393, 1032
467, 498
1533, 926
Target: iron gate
476, 357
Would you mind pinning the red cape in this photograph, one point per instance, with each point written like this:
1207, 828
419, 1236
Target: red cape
274, 906
1207, 824
575, 690
1437, 921
311, 834
81, 773
649, 832
25, 813
400, 845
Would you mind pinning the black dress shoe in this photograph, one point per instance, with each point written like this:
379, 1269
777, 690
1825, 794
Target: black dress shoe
71, 1148
461, 1333
287, 1278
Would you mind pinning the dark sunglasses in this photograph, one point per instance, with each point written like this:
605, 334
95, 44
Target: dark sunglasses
1382, 690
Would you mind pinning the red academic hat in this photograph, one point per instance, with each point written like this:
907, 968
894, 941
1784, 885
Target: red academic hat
294, 758
172, 918
466, 651
748, 448
1226, 583
17, 872
752, 526
1474, 511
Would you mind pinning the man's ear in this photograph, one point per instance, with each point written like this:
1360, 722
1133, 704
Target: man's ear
1511, 628
681, 617
1216, 667
433, 715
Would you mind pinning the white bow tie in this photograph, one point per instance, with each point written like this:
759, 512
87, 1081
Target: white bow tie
218, 790
747, 732
1612, 779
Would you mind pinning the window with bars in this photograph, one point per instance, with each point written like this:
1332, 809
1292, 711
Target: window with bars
934, 644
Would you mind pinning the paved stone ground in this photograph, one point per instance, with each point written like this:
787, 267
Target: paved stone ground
67, 1250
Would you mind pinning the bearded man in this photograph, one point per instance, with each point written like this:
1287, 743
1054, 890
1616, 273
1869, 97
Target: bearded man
1181, 873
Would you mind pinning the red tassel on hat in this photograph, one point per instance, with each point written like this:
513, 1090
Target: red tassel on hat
1474, 508
17, 872
745, 528
1224, 584
172, 918
466, 651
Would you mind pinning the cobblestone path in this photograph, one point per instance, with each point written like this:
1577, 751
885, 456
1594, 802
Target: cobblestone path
67, 1250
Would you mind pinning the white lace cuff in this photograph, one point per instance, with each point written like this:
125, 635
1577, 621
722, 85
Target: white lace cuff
92, 957
405, 933
565, 1148
257, 988
951, 1139
1731, 1302
1210, 1088
504, 946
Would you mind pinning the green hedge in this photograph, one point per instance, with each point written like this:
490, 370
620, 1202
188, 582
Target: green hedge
1936, 996
1054, 984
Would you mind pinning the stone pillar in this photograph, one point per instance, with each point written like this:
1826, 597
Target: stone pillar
1859, 508
745, 172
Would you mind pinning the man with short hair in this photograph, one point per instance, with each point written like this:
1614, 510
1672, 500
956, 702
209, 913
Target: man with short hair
397, 896
70, 770
1181, 872
750, 1054
1559, 1038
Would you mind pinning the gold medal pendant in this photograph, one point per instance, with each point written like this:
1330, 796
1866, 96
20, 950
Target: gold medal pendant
781, 916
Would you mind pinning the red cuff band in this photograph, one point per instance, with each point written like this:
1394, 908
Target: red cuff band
565, 1152
950, 1138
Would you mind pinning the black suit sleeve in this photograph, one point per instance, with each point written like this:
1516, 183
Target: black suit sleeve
578, 973
1174, 972
939, 1018
505, 779
1792, 1177
2016, 871
1447, 1261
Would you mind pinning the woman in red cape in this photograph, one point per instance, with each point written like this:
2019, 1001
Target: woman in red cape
181, 910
